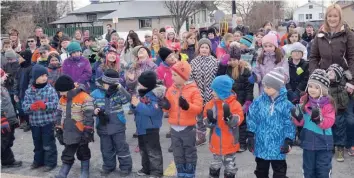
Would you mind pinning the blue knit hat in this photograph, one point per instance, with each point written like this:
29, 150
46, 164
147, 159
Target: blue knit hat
73, 47
37, 71
222, 85
247, 40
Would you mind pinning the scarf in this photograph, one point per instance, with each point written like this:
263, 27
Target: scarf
38, 86
320, 102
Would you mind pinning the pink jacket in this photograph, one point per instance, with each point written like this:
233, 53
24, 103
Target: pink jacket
220, 52
164, 74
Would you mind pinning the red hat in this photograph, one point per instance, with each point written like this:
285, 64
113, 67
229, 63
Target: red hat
183, 69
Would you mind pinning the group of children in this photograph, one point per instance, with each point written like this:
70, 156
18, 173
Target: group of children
219, 92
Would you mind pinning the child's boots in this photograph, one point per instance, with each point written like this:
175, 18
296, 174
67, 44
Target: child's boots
85, 167
214, 173
64, 171
339, 154
229, 175
190, 170
181, 171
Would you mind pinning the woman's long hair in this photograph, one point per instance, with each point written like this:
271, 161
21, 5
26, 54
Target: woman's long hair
185, 44
278, 56
238, 69
136, 41
328, 10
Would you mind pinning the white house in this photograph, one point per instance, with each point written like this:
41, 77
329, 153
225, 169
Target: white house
309, 12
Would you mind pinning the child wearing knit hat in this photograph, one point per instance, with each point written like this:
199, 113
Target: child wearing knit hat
316, 113
108, 102
223, 115
270, 129
74, 127
148, 118
183, 102
341, 98
54, 67
224, 45
248, 54
41, 103
8, 125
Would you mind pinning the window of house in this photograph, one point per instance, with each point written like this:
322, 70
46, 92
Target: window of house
204, 16
301, 17
310, 6
92, 17
320, 15
145, 23
308, 16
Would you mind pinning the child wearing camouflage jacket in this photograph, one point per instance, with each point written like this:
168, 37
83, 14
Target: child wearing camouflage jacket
74, 127
109, 99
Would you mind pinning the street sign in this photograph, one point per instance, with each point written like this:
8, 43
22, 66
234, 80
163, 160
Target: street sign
115, 20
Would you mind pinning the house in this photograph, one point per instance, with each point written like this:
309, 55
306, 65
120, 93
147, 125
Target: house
348, 13
309, 12
129, 15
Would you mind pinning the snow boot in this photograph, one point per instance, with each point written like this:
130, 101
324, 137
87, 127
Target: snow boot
64, 171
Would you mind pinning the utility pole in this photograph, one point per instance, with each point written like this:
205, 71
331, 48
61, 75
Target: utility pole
233, 13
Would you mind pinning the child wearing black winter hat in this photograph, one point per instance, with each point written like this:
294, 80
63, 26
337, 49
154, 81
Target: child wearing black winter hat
74, 125
108, 101
148, 118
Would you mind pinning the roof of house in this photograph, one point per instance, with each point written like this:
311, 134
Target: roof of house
71, 19
98, 7
136, 9
311, 3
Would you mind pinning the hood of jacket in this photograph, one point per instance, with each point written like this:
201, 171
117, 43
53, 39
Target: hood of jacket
159, 91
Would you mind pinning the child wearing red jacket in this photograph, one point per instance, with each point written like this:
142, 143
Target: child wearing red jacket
223, 115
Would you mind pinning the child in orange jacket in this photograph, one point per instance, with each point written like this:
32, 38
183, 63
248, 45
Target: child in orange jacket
223, 115
183, 102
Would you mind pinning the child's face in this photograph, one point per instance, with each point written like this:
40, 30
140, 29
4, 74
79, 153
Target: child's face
111, 56
268, 47
259, 38
54, 61
77, 35
63, 93
44, 54
204, 50
42, 79
76, 54
120, 43
297, 55
270, 91
237, 37
233, 62
211, 36
215, 95
105, 86
88, 43
155, 40
242, 46
171, 36
65, 44
309, 29
7, 47
114, 39
314, 90
331, 75
142, 54
130, 41
44, 41
31, 42
191, 40
294, 38
13, 37
171, 59
178, 80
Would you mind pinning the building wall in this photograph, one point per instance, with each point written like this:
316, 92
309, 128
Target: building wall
124, 25
315, 11
348, 14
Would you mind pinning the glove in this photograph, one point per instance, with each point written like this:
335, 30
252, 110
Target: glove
5, 126
286, 146
227, 112
253, 78
315, 115
210, 117
87, 136
183, 103
103, 117
34, 106
92, 58
59, 135
298, 117
246, 106
164, 103
250, 141
41, 105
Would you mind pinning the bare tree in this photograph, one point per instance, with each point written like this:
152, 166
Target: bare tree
64, 7
23, 24
290, 8
181, 10
244, 9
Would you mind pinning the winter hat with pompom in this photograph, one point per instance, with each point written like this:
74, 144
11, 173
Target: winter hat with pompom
320, 78
338, 71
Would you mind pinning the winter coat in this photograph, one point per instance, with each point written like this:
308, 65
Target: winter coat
148, 115
11, 68
224, 136
49, 96
190, 51
36, 55
164, 73
178, 116
137, 69
271, 123
242, 87
284, 39
299, 75
214, 44
78, 69
313, 136
75, 114
308, 37
53, 74
22, 82
220, 51
330, 49
241, 28
174, 46
204, 71
6, 107
250, 56
339, 94
287, 51
113, 106
269, 64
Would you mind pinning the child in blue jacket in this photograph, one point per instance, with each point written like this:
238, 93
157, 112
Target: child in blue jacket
270, 129
148, 118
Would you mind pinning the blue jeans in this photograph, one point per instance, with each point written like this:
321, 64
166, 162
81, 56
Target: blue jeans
45, 149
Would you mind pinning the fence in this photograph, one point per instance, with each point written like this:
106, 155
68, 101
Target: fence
94, 31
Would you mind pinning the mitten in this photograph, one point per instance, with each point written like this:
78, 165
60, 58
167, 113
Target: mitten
315, 115
227, 112
87, 136
183, 103
103, 117
210, 117
225, 59
164, 103
5, 126
59, 135
298, 116
246, 106
34, 106
286, 147
250, 141
253, 78
41, 105
92, 58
